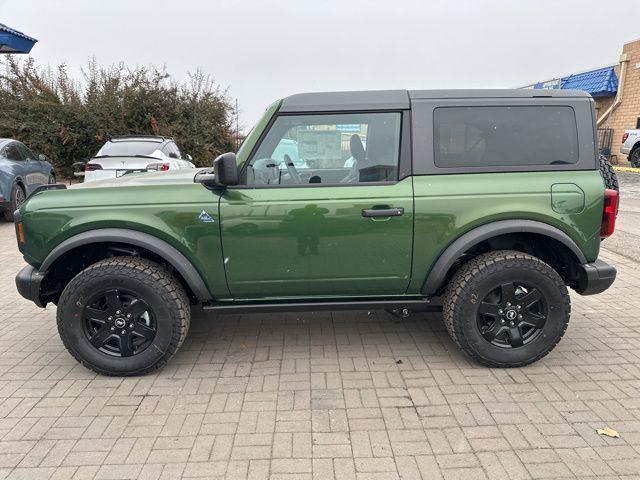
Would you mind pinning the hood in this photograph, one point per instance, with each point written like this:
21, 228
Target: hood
171, 177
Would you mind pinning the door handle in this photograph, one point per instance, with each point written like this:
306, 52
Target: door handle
383, 212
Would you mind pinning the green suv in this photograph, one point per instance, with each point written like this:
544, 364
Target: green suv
487, 202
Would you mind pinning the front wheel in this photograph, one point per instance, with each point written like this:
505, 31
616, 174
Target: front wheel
123, 316
17, 198
506, 308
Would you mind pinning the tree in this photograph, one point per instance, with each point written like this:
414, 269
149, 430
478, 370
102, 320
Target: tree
68, 120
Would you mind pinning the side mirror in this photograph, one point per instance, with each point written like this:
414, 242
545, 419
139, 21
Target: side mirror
42, 157
223, 173
189, 157
226, 169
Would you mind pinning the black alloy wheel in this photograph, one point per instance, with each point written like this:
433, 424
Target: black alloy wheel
123, 316
119, 323
512, 315
506, 308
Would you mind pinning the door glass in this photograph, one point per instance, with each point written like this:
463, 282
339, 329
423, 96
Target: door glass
328, 149
25, 152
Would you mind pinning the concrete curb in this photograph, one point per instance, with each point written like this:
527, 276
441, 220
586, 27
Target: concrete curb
626, 169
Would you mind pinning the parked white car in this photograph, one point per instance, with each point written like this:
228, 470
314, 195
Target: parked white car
135, 153
631, 146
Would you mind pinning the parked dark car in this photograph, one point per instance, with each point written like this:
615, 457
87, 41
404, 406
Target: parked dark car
21, 172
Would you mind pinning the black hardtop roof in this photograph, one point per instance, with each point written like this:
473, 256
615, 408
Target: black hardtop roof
400, 99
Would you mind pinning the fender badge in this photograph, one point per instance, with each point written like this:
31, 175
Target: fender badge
204, 217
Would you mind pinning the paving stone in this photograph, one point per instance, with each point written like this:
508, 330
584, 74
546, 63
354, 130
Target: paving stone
329, 395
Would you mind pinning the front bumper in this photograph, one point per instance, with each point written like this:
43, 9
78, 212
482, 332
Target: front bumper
28, 282
594, 277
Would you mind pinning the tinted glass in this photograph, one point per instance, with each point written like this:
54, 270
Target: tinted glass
172, 148
505, 136
125, 149
25, 152
328, 149
12, 152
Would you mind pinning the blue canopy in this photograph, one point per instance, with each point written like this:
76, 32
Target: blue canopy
599, 83
602, 82
13, 41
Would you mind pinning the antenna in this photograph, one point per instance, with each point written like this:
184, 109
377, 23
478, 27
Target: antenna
237, 131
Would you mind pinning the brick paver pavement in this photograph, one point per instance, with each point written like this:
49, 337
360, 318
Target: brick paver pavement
337, 395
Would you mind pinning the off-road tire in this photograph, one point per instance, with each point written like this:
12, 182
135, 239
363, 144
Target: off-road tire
12, 206
474, 280
608, 174
156, 286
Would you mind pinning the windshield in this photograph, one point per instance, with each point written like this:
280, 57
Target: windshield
127, 149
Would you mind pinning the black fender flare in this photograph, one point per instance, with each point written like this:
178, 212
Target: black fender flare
439, 270
138, 239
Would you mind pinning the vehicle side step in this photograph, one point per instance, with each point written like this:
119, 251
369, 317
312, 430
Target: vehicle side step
421, 304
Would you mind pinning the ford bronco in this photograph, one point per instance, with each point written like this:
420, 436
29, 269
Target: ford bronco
487, 202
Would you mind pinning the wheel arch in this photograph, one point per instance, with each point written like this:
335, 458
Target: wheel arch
18, 180
508, 231
121, 239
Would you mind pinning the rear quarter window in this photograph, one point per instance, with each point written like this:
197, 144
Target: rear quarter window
504, 136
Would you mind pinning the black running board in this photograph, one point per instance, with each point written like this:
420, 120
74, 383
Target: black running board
421, 304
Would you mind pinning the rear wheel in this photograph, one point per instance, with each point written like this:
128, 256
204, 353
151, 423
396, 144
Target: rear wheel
123, 316
506, 308
17, 198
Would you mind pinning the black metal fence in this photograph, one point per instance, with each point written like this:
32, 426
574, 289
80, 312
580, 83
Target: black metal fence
605, 138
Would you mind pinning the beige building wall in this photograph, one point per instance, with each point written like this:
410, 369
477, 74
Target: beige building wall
626, 114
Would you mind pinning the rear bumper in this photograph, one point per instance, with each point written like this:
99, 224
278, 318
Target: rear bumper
594, 277
28, 282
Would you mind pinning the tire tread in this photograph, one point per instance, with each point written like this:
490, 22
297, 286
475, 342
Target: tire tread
488, 263
143, 270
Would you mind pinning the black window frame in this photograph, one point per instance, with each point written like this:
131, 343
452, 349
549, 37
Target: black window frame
423, 141
404, 151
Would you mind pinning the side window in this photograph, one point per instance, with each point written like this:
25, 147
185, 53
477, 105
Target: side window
328, 149
12, 152
172, 148
505, 136
25, 152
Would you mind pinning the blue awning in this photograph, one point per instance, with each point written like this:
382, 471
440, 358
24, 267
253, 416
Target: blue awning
13, 41
599, 83
602, 82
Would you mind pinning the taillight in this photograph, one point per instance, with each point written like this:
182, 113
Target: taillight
625, 135
610, 212
159, 167
90, 167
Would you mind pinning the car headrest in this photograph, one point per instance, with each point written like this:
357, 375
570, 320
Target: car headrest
356, 147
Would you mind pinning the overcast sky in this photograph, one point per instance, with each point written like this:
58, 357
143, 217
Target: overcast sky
263, 50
